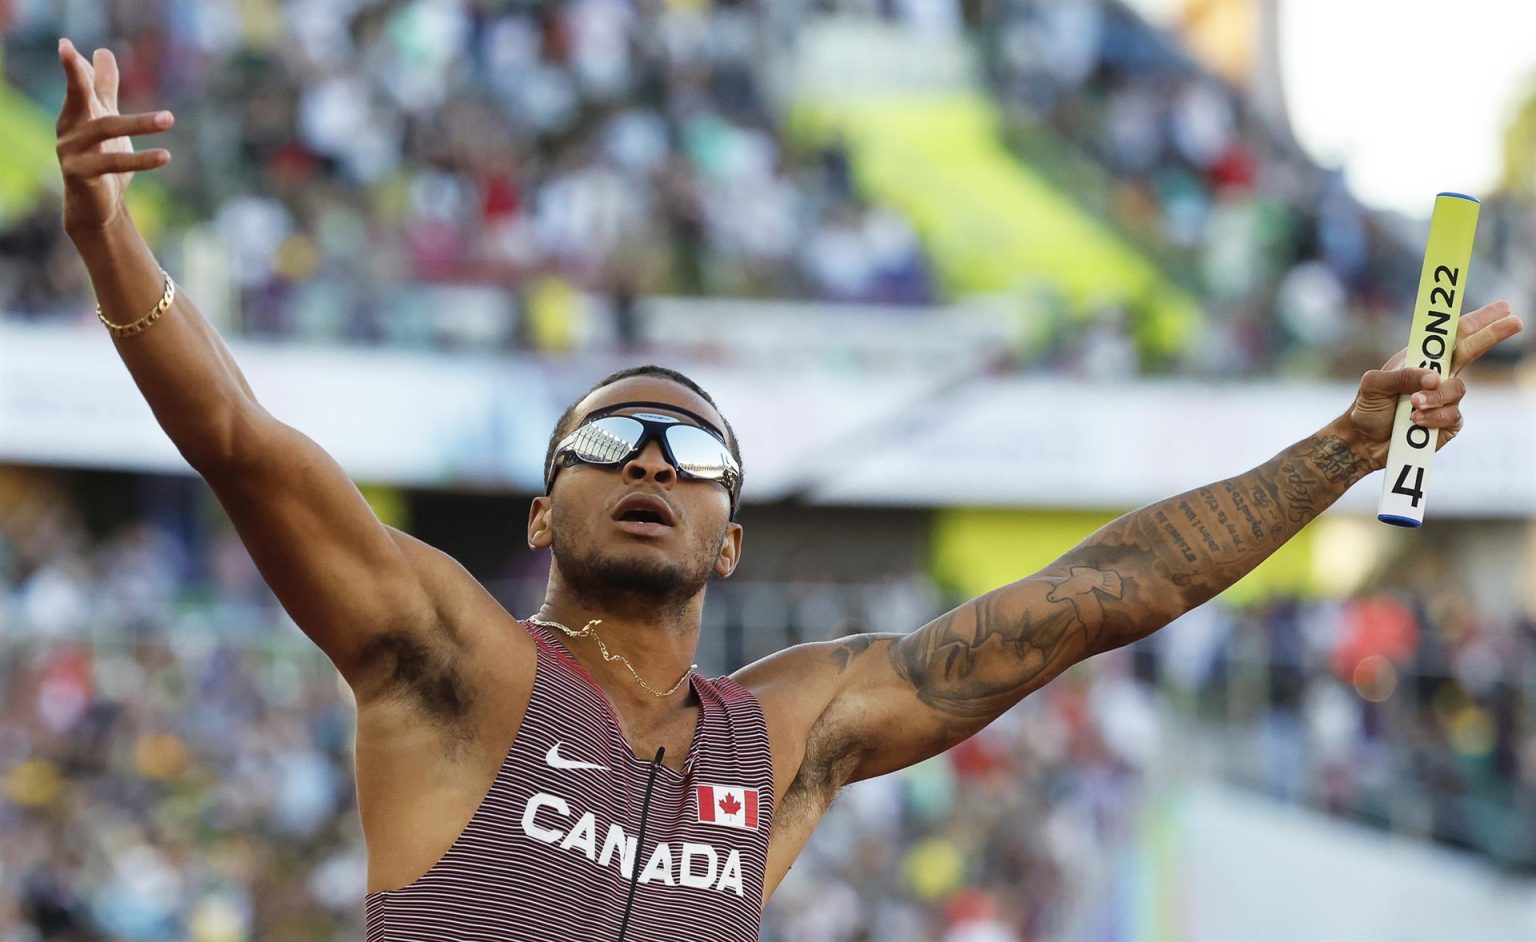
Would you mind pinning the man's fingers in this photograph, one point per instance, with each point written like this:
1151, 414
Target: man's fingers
1480, 318
87, 72
105, 66
1447, 393
77, 85
1443, 417
1398, 382
105, 128
1490, 330
86, 166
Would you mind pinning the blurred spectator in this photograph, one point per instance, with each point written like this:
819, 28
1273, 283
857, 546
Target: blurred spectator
1408, 708
1295, 274
477, 150
492, 156
175, 759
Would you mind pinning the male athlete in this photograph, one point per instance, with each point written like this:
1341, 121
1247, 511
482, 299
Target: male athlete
568, 776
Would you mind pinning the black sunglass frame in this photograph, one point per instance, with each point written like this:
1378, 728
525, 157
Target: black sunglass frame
651, 429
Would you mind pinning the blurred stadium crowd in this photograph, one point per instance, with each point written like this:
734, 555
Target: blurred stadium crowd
175, 761
523, 167
598, 146
1277, 248
1408, 706
176, 764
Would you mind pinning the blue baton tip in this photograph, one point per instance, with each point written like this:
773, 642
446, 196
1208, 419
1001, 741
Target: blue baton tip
1460, 196
1397, 521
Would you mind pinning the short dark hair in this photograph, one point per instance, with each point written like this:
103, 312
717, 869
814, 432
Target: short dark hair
568, 418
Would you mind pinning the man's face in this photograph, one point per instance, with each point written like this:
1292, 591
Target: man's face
599, 552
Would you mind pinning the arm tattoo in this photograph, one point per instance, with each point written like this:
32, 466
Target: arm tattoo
969, 663
846, 650
1134, 575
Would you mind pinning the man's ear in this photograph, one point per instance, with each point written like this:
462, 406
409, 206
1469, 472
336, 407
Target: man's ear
540, 531
730, 551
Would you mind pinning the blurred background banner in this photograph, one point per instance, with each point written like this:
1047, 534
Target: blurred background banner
969, 277
929, 432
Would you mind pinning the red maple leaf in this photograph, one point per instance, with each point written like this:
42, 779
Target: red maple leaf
730, 805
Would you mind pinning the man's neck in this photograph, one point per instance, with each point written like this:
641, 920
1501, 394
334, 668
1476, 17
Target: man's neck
660, 649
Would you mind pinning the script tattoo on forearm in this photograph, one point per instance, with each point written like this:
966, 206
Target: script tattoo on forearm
1131, 577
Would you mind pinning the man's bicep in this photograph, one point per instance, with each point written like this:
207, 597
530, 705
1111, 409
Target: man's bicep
345, 578
929, 690
914, 696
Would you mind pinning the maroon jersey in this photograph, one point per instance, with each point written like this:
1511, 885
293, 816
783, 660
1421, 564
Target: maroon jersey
550, 853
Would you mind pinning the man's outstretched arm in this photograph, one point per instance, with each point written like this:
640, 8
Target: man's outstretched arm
1128, 579
891, 700
369, 596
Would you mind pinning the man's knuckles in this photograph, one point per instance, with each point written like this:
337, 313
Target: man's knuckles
1450, 393
1443, 417
1393, 381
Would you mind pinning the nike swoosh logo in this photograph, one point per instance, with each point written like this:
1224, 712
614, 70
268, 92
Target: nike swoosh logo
555, 761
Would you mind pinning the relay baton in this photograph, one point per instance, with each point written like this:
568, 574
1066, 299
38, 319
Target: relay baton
1436, 312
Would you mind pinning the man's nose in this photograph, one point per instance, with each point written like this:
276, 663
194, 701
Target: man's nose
650, 462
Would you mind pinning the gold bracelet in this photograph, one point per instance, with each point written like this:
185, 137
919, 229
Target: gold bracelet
143, 323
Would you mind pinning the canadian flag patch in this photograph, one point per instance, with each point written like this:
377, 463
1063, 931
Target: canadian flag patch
727, 805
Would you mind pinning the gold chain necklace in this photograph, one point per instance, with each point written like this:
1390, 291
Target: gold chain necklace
603, 648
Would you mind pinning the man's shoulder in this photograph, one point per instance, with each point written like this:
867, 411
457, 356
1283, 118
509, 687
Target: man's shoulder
803, 678
795, 687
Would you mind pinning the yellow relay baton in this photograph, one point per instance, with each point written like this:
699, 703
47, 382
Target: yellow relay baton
1431, 342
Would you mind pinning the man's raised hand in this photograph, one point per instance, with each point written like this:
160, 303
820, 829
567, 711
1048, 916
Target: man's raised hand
94, 149
1436, 402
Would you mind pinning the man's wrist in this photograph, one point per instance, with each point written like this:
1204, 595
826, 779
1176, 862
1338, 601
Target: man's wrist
1373, 455
124, 274
99, 237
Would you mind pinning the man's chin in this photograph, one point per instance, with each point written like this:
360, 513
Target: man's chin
659, 581
638, 574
